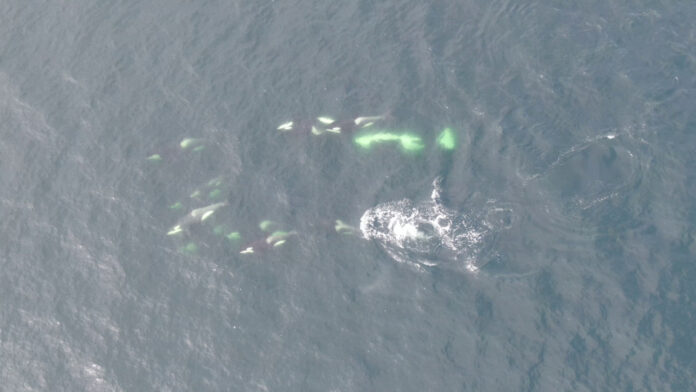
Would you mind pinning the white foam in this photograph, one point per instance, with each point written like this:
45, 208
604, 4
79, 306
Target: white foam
419, 233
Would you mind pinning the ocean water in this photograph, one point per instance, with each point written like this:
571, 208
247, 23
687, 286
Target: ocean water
552, 249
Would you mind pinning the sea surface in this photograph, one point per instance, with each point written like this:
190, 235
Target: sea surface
552, 249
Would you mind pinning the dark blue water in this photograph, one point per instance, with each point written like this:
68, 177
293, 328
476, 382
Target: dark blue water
552, 249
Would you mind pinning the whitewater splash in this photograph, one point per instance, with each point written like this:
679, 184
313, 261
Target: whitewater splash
425, 233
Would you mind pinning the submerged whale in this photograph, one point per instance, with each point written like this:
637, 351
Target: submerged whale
323, 125
195, 216
274, 240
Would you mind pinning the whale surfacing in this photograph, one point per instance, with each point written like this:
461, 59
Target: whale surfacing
423, 234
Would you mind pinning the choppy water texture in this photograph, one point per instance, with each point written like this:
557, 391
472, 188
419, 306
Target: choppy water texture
556, 253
